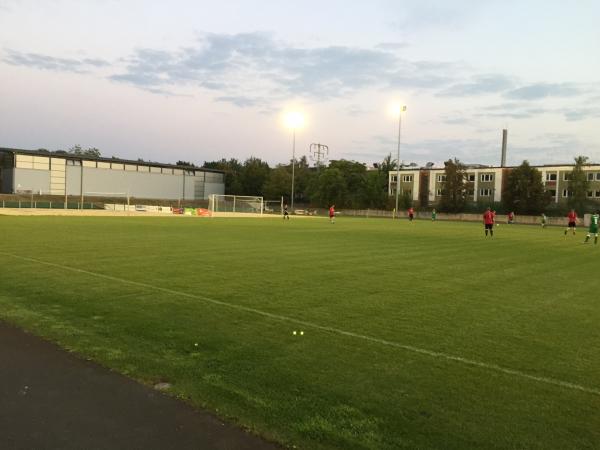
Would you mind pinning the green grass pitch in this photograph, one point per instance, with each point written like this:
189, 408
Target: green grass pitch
422, 335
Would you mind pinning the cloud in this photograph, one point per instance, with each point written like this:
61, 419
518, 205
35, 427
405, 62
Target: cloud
232, 63
356, 111
392, 46
544, 90
456, 120
425, 14
479, 85
44, 62
254, 69
523, 110
575, 114
241, 101
541, 149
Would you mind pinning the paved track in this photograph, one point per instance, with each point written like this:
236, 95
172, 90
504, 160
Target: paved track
50, 399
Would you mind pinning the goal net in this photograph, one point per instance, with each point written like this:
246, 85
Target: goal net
235, 205
273, 207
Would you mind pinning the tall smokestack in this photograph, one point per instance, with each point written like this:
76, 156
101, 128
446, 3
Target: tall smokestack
504, 138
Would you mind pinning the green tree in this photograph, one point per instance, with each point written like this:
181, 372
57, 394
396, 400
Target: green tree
387, 165
302, 176
232, 169
92, 152
376, 195
279, 184
328, 188
578, 185
185, 163
454, 191
524, 191
254, 175
355, 177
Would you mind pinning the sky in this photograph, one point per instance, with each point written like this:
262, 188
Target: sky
204, 80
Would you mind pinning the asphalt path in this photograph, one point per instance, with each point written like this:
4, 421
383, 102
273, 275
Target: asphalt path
52, 399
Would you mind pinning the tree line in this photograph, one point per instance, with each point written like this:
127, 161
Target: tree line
347, 184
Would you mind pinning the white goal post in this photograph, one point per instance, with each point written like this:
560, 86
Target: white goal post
235, 205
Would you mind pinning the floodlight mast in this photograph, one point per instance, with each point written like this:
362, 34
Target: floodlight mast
401, 109
294, 120
293, 165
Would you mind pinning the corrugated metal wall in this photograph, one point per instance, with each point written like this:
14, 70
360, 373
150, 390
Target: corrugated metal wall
106, 181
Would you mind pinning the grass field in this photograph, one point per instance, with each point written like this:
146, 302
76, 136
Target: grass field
423, 335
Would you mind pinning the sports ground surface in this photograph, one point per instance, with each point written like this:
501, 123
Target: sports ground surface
422, 335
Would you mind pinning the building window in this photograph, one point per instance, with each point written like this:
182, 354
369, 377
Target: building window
597, 194
551, 177
393, 178
485, 192
552, 192
407, 178
471, 177
441, 178
487, 177
567, 176
566, 193
590, 176
590, 194
598, 176
439, 192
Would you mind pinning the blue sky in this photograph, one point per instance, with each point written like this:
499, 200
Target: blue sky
201, 80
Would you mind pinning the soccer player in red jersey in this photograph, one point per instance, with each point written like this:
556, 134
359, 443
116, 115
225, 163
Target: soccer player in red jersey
332, 213
572, 216
411, 213
488, 222
511, 218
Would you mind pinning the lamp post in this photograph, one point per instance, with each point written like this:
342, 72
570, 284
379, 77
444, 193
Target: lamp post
401, 109
294, 120
293, 165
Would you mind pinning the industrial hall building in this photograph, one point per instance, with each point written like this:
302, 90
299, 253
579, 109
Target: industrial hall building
64, 174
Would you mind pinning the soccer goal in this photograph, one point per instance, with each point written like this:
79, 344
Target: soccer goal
235, 205
273, 207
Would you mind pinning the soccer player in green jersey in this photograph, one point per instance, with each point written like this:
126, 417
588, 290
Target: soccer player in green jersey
544, 220
593, 227
433, 215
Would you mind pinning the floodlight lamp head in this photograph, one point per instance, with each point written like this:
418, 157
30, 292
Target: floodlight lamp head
396, 109
294, 119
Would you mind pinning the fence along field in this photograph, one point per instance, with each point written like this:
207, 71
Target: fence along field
415, 335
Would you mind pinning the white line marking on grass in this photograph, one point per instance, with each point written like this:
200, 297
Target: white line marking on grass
421, 351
